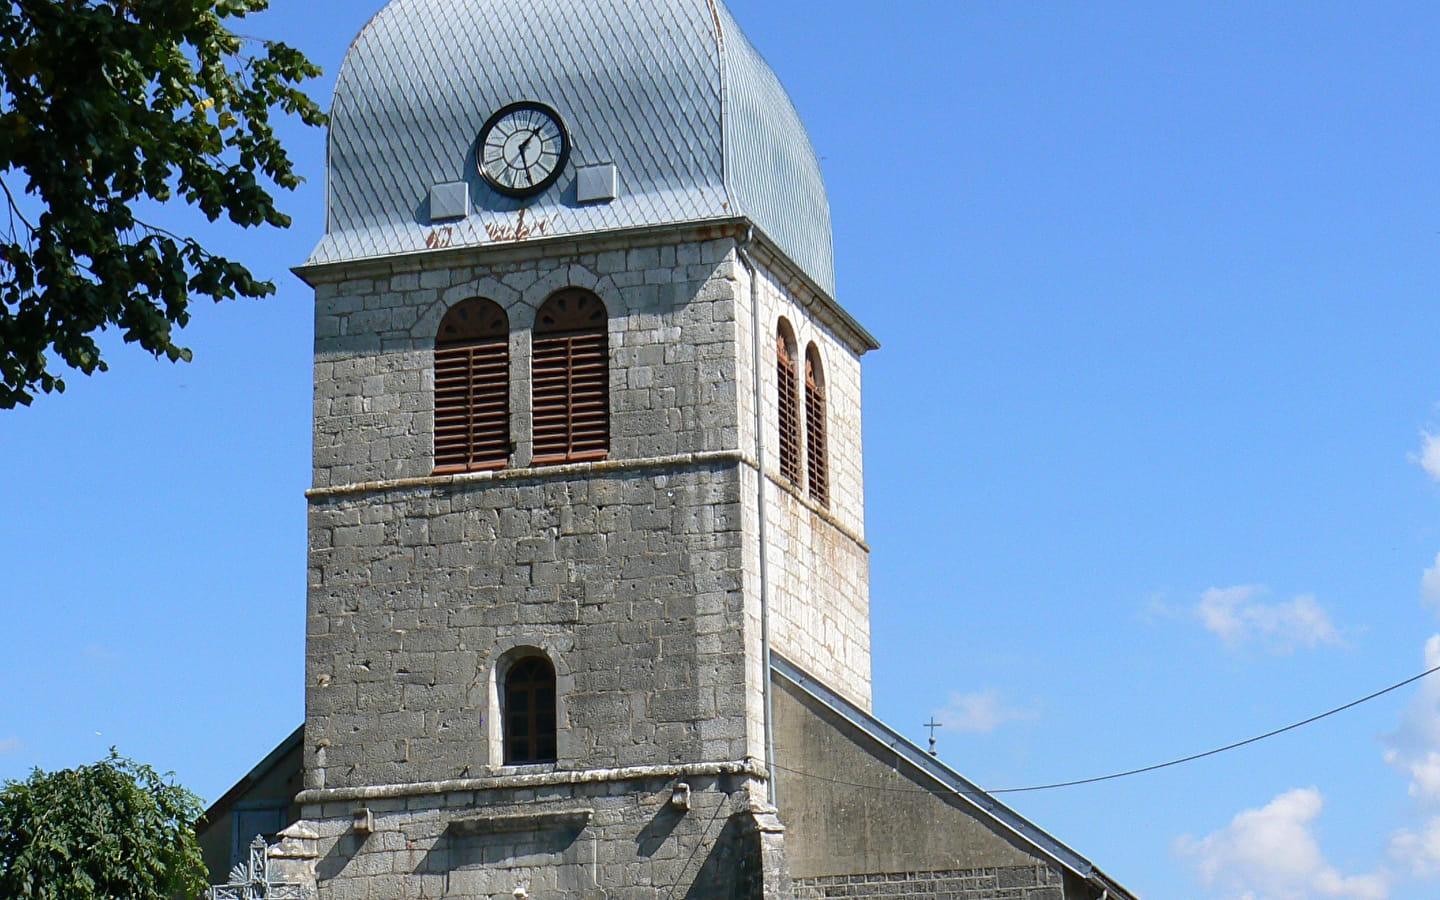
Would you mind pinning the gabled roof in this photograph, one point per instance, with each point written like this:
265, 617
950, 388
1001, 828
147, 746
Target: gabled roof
947, 781
669, 91
255, 776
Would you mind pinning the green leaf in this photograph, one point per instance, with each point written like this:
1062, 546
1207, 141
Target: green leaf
112, 829
168, 107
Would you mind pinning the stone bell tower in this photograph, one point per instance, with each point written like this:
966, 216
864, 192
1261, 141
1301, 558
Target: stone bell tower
587, 453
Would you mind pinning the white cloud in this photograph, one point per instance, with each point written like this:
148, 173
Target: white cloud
1419, 850
1414, 748
1429, 456
11, 745
1430, 584
1271, 853
1236, 616
980, 713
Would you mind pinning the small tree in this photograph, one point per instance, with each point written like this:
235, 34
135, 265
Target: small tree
105, 104
115, 829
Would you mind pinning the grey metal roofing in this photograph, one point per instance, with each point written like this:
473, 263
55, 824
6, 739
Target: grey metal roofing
670, 91
947, 779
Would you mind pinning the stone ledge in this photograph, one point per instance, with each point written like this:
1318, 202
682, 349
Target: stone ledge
533, 473
820, 512
600, 467
748, 767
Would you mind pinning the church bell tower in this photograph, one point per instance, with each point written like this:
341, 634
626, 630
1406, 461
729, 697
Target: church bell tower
586, 456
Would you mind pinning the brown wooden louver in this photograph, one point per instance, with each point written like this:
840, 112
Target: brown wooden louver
788, 400
816, 455
472, 388
570, 379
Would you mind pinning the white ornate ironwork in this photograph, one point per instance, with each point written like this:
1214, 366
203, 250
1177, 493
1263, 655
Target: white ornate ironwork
251, 880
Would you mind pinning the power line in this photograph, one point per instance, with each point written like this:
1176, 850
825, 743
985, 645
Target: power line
1238, 744
1142, 770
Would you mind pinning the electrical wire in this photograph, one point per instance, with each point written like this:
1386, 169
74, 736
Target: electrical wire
1142, 770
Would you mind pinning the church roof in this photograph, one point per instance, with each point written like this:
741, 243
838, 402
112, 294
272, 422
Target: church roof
668, 91
902, 754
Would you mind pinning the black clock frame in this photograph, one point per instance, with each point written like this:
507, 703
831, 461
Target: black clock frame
545, 183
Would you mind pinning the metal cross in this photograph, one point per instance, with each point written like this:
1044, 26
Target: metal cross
932, 725
251, 880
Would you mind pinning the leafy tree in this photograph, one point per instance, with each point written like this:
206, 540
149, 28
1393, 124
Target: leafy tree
105, 104
115, 829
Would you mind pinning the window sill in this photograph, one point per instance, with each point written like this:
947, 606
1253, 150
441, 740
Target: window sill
461, 470
540, 768
560, 459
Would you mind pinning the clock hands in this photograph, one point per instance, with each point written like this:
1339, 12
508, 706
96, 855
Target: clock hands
523, 149
522, 164
524, 146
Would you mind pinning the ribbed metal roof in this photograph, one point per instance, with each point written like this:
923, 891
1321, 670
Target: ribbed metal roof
669, 91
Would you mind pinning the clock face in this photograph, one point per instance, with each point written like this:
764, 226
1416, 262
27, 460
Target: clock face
523, 149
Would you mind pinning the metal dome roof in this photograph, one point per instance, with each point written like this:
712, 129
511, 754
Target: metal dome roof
669, 91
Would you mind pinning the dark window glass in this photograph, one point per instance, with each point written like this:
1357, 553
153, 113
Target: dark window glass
529, 713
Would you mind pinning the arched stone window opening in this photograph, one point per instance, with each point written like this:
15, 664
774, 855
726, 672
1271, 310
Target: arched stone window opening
787, 382
528, 712
570, 379
816, 451
472, 388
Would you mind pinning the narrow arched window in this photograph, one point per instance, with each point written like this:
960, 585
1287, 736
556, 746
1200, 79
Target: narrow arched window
816, 452
472, 388
787, 382
529, 712
570, 379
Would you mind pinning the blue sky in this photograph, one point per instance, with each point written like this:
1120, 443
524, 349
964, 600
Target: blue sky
1146, 443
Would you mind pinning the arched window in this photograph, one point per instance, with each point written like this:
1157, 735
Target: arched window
570, 379
529, 711
472, 388
787, 381
816, 456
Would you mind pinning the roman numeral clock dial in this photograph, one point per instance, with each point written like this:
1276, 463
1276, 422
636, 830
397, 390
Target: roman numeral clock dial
523, 149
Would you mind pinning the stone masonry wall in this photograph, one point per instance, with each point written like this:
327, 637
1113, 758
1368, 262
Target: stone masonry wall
626, 572
1017, 883
818, 563
616, 839
841, 365
636, 575
672, 344
628, 580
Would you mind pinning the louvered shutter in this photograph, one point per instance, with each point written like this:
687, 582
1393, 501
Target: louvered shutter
472, 388
816, 452
788, 400
570, 379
